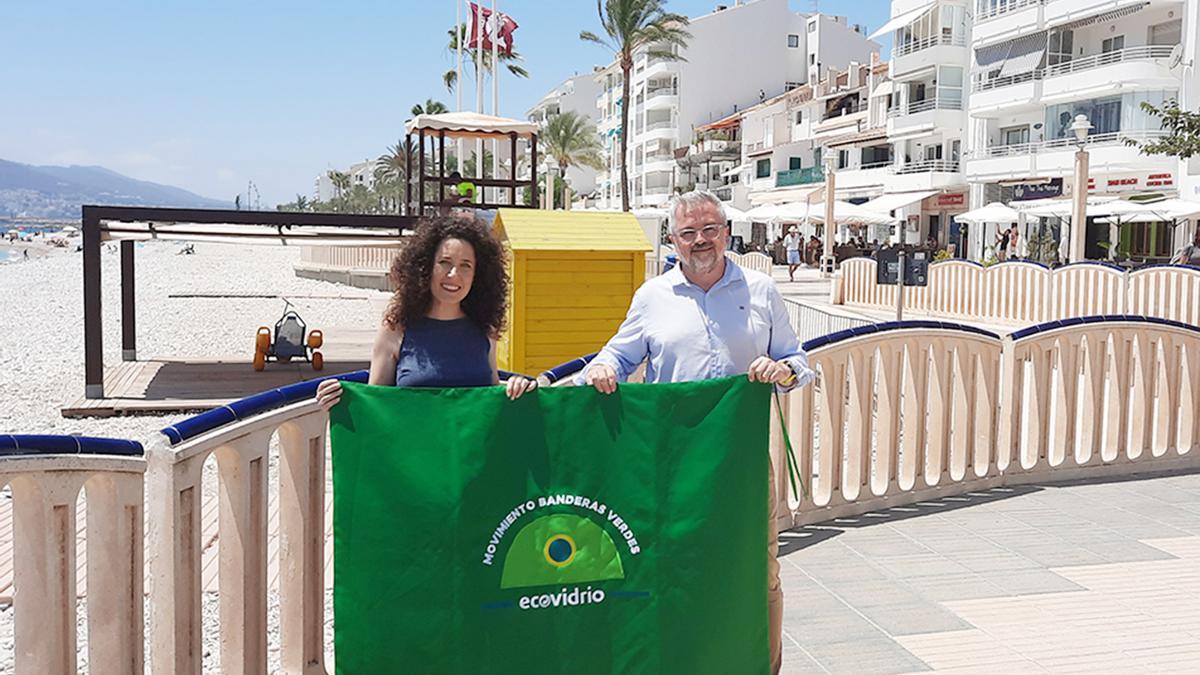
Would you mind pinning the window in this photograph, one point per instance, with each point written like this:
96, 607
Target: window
1113, 44
1059, 50
788, 86
769, 132
812, 26
1166, 33
762, 168
794, 163
799, 117
843, 159
793, 41
933, 152
812, 59
1014, 135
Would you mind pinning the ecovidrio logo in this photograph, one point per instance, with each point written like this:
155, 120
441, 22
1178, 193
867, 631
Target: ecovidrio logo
570, 553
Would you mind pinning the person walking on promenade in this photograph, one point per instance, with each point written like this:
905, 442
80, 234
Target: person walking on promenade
1013, 236
441, 326
791, 244
705, 319
1002, 245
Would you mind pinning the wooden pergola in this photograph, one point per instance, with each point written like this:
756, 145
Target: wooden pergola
130, 224
436, 129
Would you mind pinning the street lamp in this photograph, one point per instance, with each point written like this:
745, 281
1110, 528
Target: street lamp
1080, 128
828, 262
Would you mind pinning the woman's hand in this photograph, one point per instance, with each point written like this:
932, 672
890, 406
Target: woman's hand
329, 392
517, 386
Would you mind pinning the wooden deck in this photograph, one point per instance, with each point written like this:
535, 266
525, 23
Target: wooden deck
209, 541
164, 385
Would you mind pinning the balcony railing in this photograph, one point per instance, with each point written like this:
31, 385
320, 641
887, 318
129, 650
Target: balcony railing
655, 126
986, 10
813, 174
997, 82
928, 166
1146, 53
874, 165
663, 91
916, 45
914, 107
724, 192
1112, 138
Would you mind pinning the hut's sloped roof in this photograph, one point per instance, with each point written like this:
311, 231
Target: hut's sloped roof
542, 230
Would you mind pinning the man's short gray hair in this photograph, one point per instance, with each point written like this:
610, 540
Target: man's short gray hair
688, 201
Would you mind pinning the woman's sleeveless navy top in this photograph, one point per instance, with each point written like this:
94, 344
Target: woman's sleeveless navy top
438, 353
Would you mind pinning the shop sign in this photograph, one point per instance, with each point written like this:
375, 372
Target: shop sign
1129, 182
1026, 192
952, 199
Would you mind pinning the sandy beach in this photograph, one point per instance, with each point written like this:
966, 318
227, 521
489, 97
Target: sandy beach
41, 346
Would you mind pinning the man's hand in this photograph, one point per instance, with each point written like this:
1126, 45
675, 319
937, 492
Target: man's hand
602, 377
772, 372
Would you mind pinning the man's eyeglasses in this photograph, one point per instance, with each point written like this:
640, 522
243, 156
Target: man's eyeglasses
709, 232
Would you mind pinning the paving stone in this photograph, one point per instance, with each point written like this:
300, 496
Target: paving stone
1027, 582
866, 656
954, 587
911, 619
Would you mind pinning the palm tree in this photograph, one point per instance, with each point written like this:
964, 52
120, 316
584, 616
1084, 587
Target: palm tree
430, 107
571, 140
509, 61
391, 169
632, 25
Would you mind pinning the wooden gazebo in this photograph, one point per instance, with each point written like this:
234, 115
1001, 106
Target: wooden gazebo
432, 131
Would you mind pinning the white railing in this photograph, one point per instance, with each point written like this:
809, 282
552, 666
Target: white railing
985, 10
925, 105
1058, 144
904, 415
351, 257
1146, 53
927, 166
899, 413
1025, 292
655, 126
664, 91
45, 491
916, 45
812, 322
982, 83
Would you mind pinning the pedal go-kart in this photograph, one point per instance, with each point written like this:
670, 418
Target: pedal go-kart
290, 342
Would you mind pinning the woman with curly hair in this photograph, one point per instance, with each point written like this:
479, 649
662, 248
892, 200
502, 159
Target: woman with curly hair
441, 326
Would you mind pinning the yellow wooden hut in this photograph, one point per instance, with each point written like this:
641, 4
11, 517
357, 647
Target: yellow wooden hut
573, 274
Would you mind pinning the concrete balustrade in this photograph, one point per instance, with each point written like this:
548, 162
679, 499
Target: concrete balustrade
1022, 292
45, 489
900, 413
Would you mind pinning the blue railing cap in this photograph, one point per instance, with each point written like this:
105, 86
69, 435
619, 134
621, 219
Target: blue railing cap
569, 368
1193, 268
1023, 261
1094, 263
1101, 318
251, 406
886, 326
12, 445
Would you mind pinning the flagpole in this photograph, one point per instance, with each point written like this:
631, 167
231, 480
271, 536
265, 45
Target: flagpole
478, 32
495, 90
459, 38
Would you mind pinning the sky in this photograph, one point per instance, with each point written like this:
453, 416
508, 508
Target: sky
210, 96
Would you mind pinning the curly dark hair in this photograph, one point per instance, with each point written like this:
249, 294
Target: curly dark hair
412, 271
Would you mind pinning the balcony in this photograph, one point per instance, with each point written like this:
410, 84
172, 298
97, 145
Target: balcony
813, 174
1144, 67
985, 10
914, 46
917, 107
1001, 20
657, 130
1107, 152
844, 111
658, 66
665, 97
1007, 94
922, 53
925, 174
925, 115
863, 176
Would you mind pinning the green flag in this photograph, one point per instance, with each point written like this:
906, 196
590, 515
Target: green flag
565, 532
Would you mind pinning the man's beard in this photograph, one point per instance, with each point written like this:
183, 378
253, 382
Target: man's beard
697, 266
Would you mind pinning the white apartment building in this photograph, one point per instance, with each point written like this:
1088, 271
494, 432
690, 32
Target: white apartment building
927, 119
738, 56
361, 173
576, 94
985, 92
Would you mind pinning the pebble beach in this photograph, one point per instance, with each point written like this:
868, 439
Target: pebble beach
41, 348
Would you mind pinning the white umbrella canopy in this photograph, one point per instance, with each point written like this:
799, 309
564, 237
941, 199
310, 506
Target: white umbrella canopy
762, 214
734, 213
1149, 212
991, 213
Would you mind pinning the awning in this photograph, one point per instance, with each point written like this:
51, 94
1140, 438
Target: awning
991, 57
796, 194
902, 20
992, 213
270, 235
470, 124
1122, 8
1024, 55
882, 89
898, 200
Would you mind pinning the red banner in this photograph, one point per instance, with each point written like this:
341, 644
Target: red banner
484, 27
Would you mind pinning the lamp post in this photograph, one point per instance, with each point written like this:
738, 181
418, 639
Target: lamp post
1078, 233
828, 262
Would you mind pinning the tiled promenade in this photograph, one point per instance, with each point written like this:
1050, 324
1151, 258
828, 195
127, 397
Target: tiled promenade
1079, 577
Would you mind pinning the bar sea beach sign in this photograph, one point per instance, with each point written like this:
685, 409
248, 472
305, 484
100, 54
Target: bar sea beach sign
565, 532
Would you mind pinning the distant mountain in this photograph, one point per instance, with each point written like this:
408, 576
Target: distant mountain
59, 191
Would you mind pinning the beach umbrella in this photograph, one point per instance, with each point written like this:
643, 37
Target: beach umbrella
734, 213
70, 228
